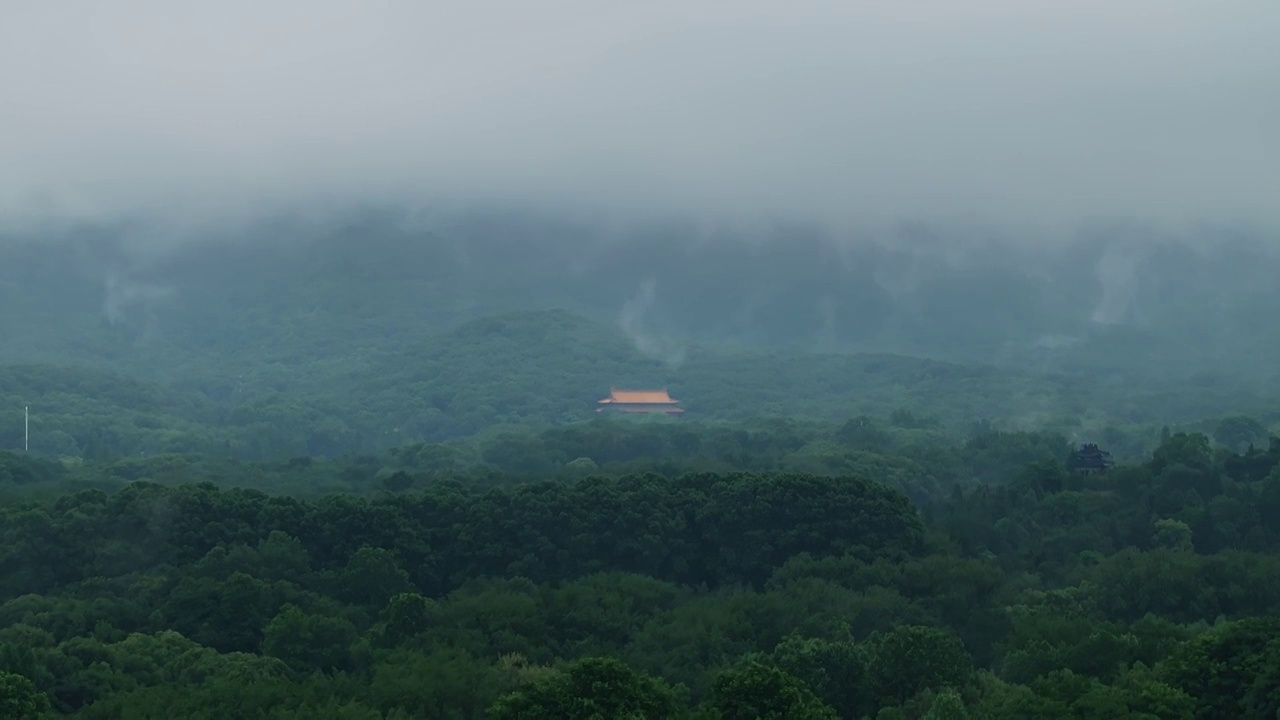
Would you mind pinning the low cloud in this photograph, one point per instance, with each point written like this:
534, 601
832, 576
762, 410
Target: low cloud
1116, 271
121, 294
633, 320
1031, 115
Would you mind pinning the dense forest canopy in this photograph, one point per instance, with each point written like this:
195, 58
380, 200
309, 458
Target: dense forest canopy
359, 472
1032, 592
391, 328
264, 497
657, 360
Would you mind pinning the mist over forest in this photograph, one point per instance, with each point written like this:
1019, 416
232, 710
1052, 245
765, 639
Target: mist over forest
1117, 300
565, 360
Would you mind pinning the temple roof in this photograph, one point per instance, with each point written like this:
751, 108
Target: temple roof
640, 397
1091, 456
1091, 450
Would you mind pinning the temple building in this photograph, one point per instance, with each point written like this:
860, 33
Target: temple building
1090, 460
639, 401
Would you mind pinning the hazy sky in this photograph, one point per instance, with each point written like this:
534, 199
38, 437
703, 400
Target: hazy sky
1003, 109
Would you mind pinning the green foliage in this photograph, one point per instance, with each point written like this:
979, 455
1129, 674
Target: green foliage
19, 697
948, 705
447, 683
1172, 534
372, 577
760, 692
590, 689
407, 615
1232, 670
836, 670
489, 380
309, 642
1237, 432
911, 658
341, 480
947, 579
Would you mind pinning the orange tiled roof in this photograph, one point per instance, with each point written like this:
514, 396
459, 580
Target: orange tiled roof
643, 397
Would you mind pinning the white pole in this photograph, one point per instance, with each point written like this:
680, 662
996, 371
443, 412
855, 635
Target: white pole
26, 428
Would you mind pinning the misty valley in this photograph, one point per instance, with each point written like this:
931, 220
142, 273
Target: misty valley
503, 464
662, 360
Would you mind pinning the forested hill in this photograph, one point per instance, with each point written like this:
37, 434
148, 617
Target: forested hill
357, 473
1149, 592
172, 299
540, 369
275, 502
380, 328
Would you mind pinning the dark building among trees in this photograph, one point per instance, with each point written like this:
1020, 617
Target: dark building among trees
1090, 460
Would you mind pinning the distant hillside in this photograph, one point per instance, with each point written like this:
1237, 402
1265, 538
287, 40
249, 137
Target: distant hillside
552, 367
293, 292
83, 413
542, 369
289, 338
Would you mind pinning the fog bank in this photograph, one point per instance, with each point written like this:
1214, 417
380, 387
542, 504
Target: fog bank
990, 111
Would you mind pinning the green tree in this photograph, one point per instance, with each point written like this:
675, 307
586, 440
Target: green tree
309, 642
1188, 449
948, 705
407, 614
755, 691
1232, 670
834, 669
398, 481
372, 577
590, 689
19, 697
1172, 534
862, 433
911, 658
446, 683
1237, 432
